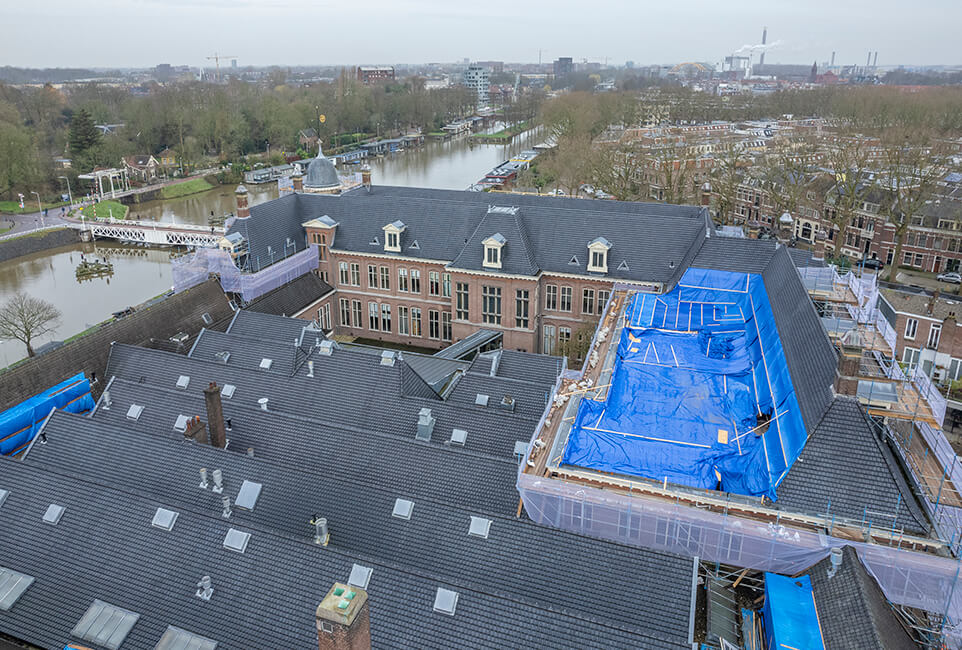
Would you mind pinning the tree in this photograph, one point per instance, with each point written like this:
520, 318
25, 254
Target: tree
83, 134
24, 318
851, 161
726, 177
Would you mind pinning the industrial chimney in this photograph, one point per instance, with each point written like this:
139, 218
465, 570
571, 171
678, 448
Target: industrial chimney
761, 60
215, 416
343, 619
240, 194
832, 64
875, 59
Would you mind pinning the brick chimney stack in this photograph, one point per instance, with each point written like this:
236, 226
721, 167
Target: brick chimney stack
215, 416
849, 361
298, 180
196, 430
933, 301
706, 194
819, 252
366, 177
343, 619
240, 194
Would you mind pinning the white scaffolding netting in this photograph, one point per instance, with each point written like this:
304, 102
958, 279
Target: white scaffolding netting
191, 270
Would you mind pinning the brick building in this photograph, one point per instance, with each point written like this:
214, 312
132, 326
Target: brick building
927, 330
374, 74
428, 267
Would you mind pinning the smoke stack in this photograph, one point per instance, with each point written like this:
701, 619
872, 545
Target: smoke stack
761, 60
832, 64
868, 59
343, 619
298, 181
875, 59
215, 416
366, 177
240, 195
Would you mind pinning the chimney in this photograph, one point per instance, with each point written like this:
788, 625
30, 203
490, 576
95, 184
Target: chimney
761, 59
343, 619
215, 416
366, 177
425, 425
875, 59
832, 64
849, 361
706, 194
298, 181
819, 251
932, 302
196, 430
868, 59
240, 194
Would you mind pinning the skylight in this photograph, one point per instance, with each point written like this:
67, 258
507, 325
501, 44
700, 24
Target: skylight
133, 413
479, 527
181, 423
228, 391
53, 514
177, 639
481, 400
520, 448
403, 509
3, 496
360, 576
12, 586
458, 436
247, 495
183, 381
446, 601
236, 540
105, 625
164, 519
266, 363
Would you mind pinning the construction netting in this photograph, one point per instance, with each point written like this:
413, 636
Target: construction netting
20, 424
190, 270
700, 393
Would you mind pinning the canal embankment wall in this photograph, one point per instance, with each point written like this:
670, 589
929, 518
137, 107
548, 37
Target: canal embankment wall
151, 326
34, 243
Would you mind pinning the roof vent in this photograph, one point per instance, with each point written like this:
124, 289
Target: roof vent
458, 436
520, 448
574, 261
479, 527
266, 363
247, 495
481, 400
503, 209
227, 391
218, 476
310, 368
105, 625
181, 423
360, 576
403, 509
12, 586
183, 381
327, 347
835, 558
387, 358
177, 639
236, 540
263, 402
623, 266
322, 536
415, 245
164, 519
223, 356
507, 403
53, 514
3, 496
105, 401
446, 601
425, 425
204, 590
133, 413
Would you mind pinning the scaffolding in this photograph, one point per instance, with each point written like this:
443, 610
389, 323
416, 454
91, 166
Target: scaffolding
190, 270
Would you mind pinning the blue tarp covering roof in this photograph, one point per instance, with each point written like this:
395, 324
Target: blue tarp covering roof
19, 424
791, 621
700, 391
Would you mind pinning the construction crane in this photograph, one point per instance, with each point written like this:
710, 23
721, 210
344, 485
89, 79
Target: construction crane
216, 59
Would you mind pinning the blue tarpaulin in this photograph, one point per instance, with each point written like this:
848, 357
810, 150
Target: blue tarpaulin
700, 391
19, 424
791, 620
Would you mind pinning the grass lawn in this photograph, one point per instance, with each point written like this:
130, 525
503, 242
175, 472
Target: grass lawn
42, 233
193, 186
504, 134
13, 207
106, 209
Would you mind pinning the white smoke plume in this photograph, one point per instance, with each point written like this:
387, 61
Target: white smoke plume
757, 49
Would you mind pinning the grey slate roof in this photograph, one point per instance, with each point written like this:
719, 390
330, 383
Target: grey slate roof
292, 297
268, 327
539, 368
544, 235
266, 597
728, 254
476, 339
845, 463
321, 173
852, 610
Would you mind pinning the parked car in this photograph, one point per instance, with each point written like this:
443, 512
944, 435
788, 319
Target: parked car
557, 192
951, 278
874, 264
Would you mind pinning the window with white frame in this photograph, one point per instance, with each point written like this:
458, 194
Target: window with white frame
602, 299
324, 317
910, 357
565, 299
463, 310
402, 321
551, 296
402, 279
935, 333
415, 281
911, 327
374, 316
392, 236
415, 321
598, 255
434, 283
343, 275
372, 276
345, 311
491, 305
446, 285
492, 251
355, 274
356, 313
548, 340
434, 324
385, 317
445, 326
385, 278
588, 301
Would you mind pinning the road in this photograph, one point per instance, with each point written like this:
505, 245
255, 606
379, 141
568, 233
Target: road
29, 221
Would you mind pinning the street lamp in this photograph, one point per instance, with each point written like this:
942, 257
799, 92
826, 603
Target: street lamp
69, 194
39, 205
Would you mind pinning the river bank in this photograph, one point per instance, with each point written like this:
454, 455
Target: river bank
32, 243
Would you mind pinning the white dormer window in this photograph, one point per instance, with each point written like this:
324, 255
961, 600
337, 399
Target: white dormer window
392, 236
598, 255
493, 246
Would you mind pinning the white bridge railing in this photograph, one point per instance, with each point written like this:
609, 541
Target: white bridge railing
155, 233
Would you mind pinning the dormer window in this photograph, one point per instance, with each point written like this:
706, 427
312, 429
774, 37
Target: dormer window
493, 246
598, 255
392, 236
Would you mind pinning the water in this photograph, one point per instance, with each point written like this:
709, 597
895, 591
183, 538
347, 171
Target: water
139, 274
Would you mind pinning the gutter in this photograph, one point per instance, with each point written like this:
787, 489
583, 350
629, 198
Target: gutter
39, 432
97, 405
694, 597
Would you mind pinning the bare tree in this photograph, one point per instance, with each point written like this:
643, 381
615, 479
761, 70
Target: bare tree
726, 177
24, 318
851, 160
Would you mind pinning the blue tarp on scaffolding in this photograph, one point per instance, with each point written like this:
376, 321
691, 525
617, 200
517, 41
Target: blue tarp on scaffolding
697, 371
791, 620
19, 424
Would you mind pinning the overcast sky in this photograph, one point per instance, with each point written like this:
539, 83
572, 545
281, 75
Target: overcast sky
141, 33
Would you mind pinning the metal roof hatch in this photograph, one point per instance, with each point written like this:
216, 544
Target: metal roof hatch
227, 391
458, 436
133, 413
247, 495
105, 624
479, 527
164, 519
236, 540
12, 586
403, 509
175, 638
183, 381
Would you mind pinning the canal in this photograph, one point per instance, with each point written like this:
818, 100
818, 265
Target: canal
140, 274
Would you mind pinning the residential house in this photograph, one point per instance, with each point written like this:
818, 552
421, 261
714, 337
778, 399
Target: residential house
143, 168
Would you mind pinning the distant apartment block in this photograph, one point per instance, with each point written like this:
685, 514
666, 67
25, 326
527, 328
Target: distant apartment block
476, 77
563, 67
375, 74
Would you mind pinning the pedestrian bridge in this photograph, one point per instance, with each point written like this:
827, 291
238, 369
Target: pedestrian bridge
150, 232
